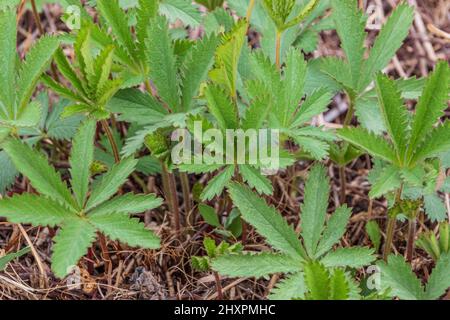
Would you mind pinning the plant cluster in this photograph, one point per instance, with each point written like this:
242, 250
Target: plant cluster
136, 76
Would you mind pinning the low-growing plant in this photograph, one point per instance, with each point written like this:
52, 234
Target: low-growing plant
84, 212
292, 255
435, 245
412, 149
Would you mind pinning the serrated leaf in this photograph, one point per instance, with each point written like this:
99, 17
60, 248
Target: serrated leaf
81, 159
8, 173
162, 62
35, 167
129, 203
33, 209
266, 220
221, 107
71, 243
255, 265
181, 9
388, 180
314, 208
439, 281
12, 256
317, 279
109, 183
339, 287
315, 104
292, 287
369, 142
209, 215
8, 56
353, 257
388, 42
217, 184
127, 230
373, 231
437, 142
434, 207
396, 274
257, 112
255, 179
335, 229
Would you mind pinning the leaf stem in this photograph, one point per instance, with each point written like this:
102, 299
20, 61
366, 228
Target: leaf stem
184, 178
170, 191
389, 236
37, 18
411, 238
218, 286
278, 49
110, 137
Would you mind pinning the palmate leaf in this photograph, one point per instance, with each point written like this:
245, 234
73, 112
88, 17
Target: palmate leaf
431, 105
387, 43
314, 208
81, 160
109, 183
267, 221
371, 143
339, 71
34, 209
118, 21
8, 56
128, 203
292, 287
118, 226
195, 68
396, 274
255, 265
350, 26
162, 62
35, 167
71, 243
395, 114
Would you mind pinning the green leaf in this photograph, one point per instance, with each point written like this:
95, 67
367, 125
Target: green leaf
317, 279
255, 265
130, 231
33, 209
314, 208
376, 146
117, 20
209, 215
353, 257
8, 57
335, 229
221, 107
69, 73
255, 179
144, 14
439, 281
81, 160
434, 207
31, 69
437, 142
181, 9
217, 184
12, 256
388, 42
129, 203
373, 231
395, 114
8, 173
162, 62
71, 243
292, 287
388, 180
350, 26
431, 105
315, 104
195, 69
339, 287
257, 112
35, 167
109, 183
266, 220
397, 275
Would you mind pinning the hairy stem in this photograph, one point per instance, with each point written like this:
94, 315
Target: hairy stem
411, 239
218, 286
170, 191
343, 185
389, 236
110, 137
278, 49
186, 195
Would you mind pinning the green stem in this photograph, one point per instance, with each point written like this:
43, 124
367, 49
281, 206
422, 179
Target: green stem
278, 49
170, 191
250, 10
184, 178
110, 137
389, 236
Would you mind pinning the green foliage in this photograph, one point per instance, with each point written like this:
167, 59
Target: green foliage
213, 251
294, 255
79, 215
435, 245
397, 276
11, 256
